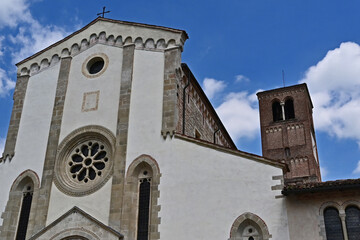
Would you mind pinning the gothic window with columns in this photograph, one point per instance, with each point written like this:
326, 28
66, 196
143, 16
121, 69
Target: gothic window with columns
24, 212
144, 205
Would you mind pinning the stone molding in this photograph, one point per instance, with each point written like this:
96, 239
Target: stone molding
146, 40
12, 210
130, 203
88, 133
52, 144
84, 69
117, 187
76, 222
253, 218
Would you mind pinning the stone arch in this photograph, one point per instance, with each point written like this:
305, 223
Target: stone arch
244, 222
133, 177
328, 204
349, 204
26, 181
75, 233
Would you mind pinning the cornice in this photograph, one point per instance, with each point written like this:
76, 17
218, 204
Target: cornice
107, 32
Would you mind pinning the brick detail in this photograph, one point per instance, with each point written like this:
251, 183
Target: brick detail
121, 138
19, 96
290, 141
170, 114
200, 117
52, 145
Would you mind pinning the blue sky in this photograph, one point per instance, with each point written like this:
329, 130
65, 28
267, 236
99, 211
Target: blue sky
236, 48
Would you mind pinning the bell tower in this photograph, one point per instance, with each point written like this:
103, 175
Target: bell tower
287, 131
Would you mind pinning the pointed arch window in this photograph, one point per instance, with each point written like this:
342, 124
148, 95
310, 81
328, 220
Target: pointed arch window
277, 111
24, 213
353, 222
144, 208
289, 109
333, 227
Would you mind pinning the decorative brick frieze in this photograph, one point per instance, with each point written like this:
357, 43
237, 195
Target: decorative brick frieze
121, 137
19, 96
196, 116
52, 145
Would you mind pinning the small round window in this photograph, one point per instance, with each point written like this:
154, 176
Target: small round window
95, 65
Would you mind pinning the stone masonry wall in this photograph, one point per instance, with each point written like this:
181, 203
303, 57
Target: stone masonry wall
201, 120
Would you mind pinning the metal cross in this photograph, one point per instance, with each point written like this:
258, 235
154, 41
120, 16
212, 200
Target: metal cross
103, 12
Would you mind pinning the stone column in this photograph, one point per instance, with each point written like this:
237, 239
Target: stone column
170, 114
342, 216
117, 189
283, 110
19, 96
52, 145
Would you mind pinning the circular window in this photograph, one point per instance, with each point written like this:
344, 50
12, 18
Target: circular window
87, 161
95, 65
84, 161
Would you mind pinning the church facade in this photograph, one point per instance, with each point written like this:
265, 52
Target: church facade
112, 137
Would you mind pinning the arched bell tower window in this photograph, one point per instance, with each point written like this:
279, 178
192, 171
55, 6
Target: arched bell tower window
277, 111
352, 222
289, 109
333, 227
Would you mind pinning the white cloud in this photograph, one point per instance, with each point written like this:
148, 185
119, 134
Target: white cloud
213, 86
1, 45
357, 169
241, 78
33, 37
324, 172
240, 115
14, 11
6, 84
334, 83
2, 145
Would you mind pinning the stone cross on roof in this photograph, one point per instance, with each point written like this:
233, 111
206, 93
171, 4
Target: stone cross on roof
103, 12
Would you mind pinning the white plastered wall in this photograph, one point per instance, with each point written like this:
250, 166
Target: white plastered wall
96, 204
202, 190
107, 83
33, 131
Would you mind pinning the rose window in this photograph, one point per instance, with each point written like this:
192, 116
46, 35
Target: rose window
84, 161
87, 161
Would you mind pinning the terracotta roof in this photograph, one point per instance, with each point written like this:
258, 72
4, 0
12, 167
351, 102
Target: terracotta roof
314, 187
105, 20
